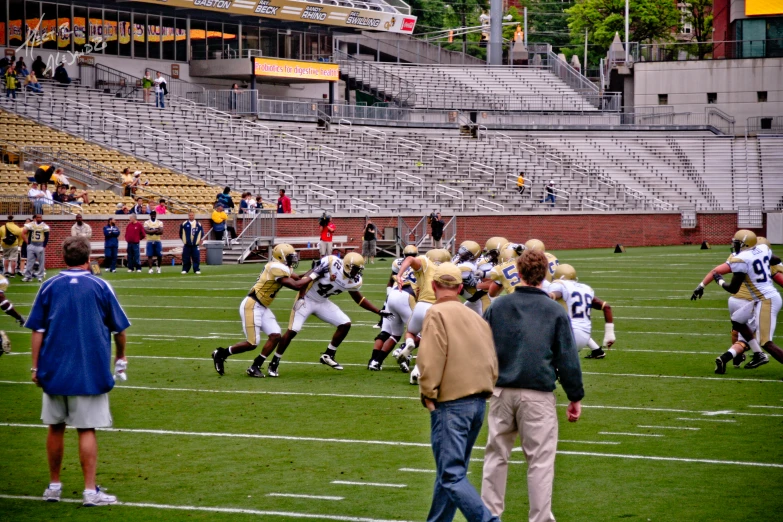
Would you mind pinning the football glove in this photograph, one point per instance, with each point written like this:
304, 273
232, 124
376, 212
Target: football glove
119, 370
21, 321
698, 292
718, 278
609, 337
386, 314
320, 271
298, 304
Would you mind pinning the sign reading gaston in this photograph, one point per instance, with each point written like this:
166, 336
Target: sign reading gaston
298, 11
296, 70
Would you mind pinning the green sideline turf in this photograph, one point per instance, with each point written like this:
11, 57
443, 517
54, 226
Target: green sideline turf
187, 437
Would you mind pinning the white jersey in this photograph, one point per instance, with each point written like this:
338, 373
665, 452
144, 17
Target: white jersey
578, 299
409, 278
333, 282
754, 263
484, 266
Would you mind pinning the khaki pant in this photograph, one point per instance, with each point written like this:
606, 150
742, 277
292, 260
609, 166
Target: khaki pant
532, 415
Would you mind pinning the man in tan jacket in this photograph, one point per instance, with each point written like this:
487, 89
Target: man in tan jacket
459, 368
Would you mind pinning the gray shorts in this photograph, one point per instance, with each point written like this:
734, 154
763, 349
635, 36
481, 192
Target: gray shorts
79, 411
368, 248
10, 253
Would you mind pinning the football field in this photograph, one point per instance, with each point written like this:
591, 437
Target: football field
661, 438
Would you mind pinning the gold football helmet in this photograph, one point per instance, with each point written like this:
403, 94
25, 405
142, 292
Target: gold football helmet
517, 247
565, 271
761, 240
495, 244
285, 254
468, 250
353, 265
438, 255
535, 244
507, 254
3, 284
410, 250
743, 240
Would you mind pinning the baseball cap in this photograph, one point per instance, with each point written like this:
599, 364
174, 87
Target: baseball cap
448, 274
137, 173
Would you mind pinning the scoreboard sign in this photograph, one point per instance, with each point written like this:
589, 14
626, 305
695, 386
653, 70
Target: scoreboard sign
763, 7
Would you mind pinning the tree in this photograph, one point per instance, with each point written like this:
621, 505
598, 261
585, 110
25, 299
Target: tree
698, 13
429, 15
651, 20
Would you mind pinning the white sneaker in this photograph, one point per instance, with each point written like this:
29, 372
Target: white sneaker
327, 360
396, 353
198, 272
97, 498
374, 366
6, 342
184, 272
52, 495
159, 270
150, 271
403, 354
415, 375
129, 271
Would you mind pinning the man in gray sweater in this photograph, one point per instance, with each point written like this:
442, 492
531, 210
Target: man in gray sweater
535, 347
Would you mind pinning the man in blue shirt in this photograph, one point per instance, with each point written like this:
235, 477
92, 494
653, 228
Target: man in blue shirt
191, 233
72, 319
111, 244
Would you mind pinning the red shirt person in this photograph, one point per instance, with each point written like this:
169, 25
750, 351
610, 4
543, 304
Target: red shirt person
134, 233
327, 233
283, 203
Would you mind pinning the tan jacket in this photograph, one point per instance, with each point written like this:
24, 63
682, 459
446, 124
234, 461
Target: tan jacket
456, 355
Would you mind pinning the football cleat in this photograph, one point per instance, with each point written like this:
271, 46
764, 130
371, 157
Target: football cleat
6, 348
26, 279
150, 271
415, 376
219, 358
720, 366
272, 372
255, 371
374, 366
405, 364
738, 360
759, 359
159, 270
327, 360
183, 272
97, 498
396, 352
52, 495
596, 354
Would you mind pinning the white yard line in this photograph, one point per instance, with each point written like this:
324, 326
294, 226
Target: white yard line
770, 407
705, 420
373, 484
313, 497
629, 434
687, 377
414, 470
669, 428
386, 443
599, 442
237, 511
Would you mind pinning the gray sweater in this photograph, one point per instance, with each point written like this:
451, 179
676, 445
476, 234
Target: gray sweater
534, 343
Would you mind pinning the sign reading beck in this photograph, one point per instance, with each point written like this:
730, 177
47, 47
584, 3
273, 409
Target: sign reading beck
272, 67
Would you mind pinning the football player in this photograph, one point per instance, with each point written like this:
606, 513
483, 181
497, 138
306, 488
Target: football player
7, 307
579, 299
465, 260
255, 313
504, 276
332, 276
536, 244
401, 304
750, 265
423, 270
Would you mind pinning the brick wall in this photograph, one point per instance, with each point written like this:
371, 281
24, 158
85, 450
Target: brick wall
558, 230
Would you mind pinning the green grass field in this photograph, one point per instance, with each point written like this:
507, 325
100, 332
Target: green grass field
661, 436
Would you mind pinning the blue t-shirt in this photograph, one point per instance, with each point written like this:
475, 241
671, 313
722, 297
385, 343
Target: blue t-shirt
78, 313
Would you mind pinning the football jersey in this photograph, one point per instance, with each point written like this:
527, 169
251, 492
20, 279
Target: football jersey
3, 283
154, 229
268, 283
36, 232
577, 298
553, 262
408, 278
333, 282
506, 275
424, 277
754, 263
484, 265
469, 280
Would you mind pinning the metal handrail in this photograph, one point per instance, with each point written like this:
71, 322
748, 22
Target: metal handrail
293, 141
280, 177
594, 205
403, 143
410, 179
319, 190
481, 169
344, 123
329, 152
372, 166
452, 193
489, 205
374, 134
364, 205
252, 128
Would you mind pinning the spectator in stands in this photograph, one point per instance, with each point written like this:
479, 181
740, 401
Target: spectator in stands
37, 197
192, 234
437, 224
31, 83
11, 83
369, 242
252, 204
327, 234
146, 85
127, 180
549, 193
219, 219
61, 75
140, 208
259, 203
4, 63
136, 183
234, 96
21, 68
521, 183
161, 209
80, 228
45, 173
111, 244
78, 197
283, 203
60, 196
134, 233
122, 209
244, 205
224, 199
11, 237
39, 67
160, 91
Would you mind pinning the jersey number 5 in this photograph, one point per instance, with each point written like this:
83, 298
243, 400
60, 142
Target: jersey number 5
511, 275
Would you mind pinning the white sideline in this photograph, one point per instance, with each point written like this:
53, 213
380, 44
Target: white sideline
414, 470
669, 428
239, 511
706, 420
374, 484
629, 434
390, 443
313, 497
771, 407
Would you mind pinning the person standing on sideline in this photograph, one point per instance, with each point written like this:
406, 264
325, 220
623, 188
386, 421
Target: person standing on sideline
72, 320
535, 347
283, 203
458, 372
192, 234
369, 243
521, 183
437, 224
327, 234
80, 228
160, 90
134, 233
219, 218
36, 235
146, 85
111, 244
11, 238
154, 230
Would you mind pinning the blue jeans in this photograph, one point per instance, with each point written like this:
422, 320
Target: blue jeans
549, 197
454, 428
159, 100
134, 257
110, 254
190, 255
